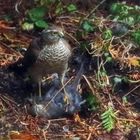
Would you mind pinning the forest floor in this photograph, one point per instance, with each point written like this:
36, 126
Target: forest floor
112, 83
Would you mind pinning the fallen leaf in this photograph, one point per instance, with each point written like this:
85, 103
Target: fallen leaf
15, 135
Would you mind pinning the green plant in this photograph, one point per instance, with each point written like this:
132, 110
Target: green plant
120, 79
108, 57
124, 99
27, 26
60, 8
84, 45
47, 3
124, 13
136, 37
120, 82
87, 26
92, 102
108, 119
107, 34
120, 8
71, 8
117, 80
35, 18
101, 76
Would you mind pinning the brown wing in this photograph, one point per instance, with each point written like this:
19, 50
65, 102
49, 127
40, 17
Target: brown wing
32, 53
30, 57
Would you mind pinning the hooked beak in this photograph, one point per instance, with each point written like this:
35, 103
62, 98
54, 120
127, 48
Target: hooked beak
61, 34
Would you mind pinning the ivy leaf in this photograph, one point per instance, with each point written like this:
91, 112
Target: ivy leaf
71, 8
120, 8
103, 73
27, 26
108, 57
41, 24
116, 8
107, 34
87, 26
117, 80
129, 20
59, 9
37, 13
92, 102
124, 13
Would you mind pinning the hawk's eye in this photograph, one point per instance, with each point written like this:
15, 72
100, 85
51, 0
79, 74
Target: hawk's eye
54, 33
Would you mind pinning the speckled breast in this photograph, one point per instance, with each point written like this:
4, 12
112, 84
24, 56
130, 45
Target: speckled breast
55, 55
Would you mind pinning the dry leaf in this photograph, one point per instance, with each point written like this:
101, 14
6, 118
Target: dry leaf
134, 61
15, 135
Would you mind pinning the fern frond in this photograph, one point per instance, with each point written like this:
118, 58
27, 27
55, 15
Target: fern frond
108, 119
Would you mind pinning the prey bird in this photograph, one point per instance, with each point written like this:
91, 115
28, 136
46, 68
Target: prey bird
52, 104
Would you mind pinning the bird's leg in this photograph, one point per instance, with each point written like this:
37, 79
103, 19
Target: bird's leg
39, 88
62, 77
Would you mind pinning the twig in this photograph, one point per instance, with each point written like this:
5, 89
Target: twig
61, 135
132, 90
4, 98
4, 45
44, 134
73, 38
93, 10
90, 86
129, 120
133, 81
89, 136
60, 119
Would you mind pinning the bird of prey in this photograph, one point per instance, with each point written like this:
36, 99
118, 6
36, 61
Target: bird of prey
46, 55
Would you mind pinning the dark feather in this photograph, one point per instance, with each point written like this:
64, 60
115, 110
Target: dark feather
22, 65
